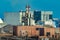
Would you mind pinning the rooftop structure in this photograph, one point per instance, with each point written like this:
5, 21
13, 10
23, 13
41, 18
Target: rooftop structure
1, 21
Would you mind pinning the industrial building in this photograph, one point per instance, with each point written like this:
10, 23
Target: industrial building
33, 31
43, 15
46, 15
20, 18
27, 17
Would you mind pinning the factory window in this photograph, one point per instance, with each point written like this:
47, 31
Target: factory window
50, 16
37, 28
41, 31
48, 34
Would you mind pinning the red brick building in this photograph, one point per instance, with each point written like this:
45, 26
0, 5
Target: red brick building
29, 31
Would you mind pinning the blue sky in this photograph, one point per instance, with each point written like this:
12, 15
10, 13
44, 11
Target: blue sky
16, 5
